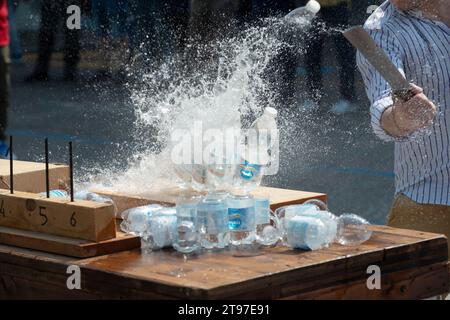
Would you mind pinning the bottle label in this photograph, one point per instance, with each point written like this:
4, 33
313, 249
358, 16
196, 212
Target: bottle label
241, 219
248, 170
296, 233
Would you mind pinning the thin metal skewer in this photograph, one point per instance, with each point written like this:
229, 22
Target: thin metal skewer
11, 166
71, 170
47, 179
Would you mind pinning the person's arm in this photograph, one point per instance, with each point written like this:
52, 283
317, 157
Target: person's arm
393, 119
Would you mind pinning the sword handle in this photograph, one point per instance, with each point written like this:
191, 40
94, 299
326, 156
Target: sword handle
404, 95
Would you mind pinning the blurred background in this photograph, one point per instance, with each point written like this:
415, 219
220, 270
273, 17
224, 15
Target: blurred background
74, 85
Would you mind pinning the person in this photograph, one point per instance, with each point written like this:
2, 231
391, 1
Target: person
416, 37
333, 14
14, 45
52, 12
4, 76
112, 20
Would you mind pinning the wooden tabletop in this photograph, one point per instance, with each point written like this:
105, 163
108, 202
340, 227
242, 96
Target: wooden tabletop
413, 265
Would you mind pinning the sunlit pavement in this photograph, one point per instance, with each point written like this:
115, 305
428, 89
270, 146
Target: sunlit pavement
335, 154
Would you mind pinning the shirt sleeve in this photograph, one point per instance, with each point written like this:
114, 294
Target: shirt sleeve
378, 90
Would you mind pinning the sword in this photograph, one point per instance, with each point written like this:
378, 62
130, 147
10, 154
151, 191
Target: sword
362, 41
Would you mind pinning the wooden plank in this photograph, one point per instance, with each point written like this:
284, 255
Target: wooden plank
168, 196
67, 246
417, 283
58, 216
30, 176
283, 197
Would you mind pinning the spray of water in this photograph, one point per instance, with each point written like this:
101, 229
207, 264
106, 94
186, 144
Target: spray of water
225, 83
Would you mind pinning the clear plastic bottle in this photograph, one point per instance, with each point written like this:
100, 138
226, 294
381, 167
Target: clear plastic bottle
311, 210
161, 229
183, 174
187, 239
267, 224
303, 16
306, 233
241, 219
259, 147
318, 203
330, 221
92, 196
352, 230
56, 193
135, 220
212, 219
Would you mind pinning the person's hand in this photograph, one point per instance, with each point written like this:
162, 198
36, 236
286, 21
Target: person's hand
414, 114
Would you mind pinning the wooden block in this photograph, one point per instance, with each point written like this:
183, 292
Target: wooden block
30, 176
67, 246
58, 216
283, 197
167, 196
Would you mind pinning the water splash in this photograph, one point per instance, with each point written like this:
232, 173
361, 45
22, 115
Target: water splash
224, 83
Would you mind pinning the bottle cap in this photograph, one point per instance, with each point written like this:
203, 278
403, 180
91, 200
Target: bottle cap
313, 6
271, 111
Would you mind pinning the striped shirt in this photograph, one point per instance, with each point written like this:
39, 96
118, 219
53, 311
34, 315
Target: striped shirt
420, 48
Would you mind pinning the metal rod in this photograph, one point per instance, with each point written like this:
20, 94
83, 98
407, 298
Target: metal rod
47, 179
71, 170
11, 165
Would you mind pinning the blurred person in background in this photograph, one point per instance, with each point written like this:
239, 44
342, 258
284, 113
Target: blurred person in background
53, 18
114, 42
14, 45
333, 14
4, 76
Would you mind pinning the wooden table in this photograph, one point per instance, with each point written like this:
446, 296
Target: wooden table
413, 265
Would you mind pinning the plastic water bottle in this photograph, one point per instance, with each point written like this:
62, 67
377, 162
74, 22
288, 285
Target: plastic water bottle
92, 196
352, 230
220, 176
241, 219
183, 173
187, 239
161, 229
304, 15
318, 203
259, 147
199, 174
306, 233
56, 193
135, 220
267, 224
212, 219
290, 211
329, 220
